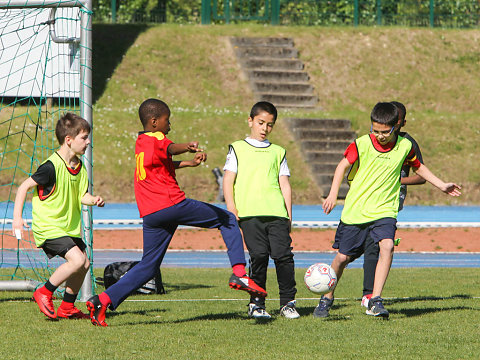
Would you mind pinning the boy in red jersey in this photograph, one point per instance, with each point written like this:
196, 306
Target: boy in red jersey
163, 206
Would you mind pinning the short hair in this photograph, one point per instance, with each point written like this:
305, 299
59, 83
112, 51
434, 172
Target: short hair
70, 125
402, 110
152, 108
264, 106
384, 113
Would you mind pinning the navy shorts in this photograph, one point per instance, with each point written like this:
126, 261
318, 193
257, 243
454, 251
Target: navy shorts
60, 246
350, 239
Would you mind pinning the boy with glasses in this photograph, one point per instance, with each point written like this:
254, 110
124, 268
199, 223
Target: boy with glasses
372, 203
370, 256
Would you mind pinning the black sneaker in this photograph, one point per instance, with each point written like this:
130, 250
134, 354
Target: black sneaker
97, 311
323, 307
375, 308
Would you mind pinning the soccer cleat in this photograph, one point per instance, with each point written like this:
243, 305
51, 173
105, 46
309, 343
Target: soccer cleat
257, 312
73, 313
289, 311
375, 308
97, 311
246, 284
45, 304
323, 307
366, 299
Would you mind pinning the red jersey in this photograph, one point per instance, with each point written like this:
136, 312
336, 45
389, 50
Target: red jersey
156, 186
352, 154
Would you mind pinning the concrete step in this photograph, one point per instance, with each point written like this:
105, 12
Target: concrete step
324, 156
311, 134
324, 145
339, 124
278, 76
279, 99
262, 63
266, 51
323, 167
261, 41
276, 87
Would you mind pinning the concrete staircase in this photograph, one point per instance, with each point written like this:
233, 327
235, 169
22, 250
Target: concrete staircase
323, 141
274, 71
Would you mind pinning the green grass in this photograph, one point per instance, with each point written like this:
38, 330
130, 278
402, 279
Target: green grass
434, 315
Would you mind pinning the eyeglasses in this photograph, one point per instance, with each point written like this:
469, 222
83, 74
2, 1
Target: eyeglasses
385, 133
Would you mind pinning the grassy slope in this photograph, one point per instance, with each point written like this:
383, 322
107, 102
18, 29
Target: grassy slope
194, 70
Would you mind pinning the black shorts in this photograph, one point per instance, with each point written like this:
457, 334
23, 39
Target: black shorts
350, 239
60, 246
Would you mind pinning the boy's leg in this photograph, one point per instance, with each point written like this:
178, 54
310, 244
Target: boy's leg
370, 259
383, 266
281, 253
155, 244
257, 244
382, 232
200, 214
77, 262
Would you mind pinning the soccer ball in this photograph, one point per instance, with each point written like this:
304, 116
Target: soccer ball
320, 278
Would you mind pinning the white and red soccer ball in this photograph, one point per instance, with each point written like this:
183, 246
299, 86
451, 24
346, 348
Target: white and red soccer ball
320, 278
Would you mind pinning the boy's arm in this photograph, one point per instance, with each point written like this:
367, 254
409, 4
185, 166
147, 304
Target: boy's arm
197, 160
22, 191
286, 189
448, 188
91, 200
228, 181
412, 180
177, 149
331, 199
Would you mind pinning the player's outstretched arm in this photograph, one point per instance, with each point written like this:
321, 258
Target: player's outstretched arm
91, 200
448, 188
197, 160
331, 200
228, 181
18, 222
177, 149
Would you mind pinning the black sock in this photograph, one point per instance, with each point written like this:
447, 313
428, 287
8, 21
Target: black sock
50, 287
69, 298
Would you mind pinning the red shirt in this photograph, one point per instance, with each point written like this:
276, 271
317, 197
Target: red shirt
156, 187
352, 154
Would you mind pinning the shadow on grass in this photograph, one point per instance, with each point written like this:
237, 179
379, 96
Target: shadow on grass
178, 287
427, 298
424, 311
110, 43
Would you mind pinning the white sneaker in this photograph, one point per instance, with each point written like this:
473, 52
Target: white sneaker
366, 299
257, 312
289, 311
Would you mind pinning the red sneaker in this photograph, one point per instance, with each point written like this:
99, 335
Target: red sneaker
73, 313
246, 284
45, 304
97, 311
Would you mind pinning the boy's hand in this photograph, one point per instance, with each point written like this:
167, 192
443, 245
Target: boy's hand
234, 211
199, 158
328, 204
193, 147
17, 227
98, 200
452, 189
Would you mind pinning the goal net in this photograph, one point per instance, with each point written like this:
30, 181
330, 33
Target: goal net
45, 71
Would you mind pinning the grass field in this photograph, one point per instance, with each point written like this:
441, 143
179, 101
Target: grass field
434, 314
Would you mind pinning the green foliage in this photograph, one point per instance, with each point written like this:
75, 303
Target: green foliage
460, 13
433, 315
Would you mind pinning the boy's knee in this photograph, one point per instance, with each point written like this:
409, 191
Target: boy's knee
386, 245
342, 258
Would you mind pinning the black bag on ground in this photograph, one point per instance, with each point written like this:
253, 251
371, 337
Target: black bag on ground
114, 272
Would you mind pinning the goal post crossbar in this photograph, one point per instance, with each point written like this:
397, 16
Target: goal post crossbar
22, 4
